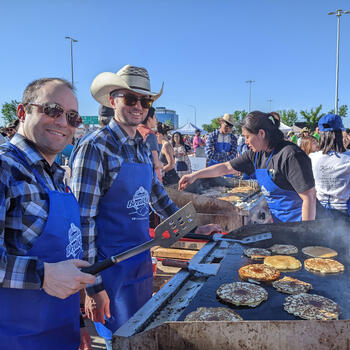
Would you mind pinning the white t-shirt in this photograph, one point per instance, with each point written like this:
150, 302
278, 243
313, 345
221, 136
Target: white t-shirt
332, 178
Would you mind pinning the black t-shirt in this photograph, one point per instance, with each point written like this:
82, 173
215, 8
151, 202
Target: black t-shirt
289, 166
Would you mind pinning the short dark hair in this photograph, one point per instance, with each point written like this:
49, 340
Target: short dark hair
332, 141
31, 91
162, 128
150, 114
269, 122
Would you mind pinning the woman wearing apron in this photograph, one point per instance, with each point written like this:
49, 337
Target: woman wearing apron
282, 169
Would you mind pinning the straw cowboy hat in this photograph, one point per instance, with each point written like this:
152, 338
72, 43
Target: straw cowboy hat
228, 118
129, 77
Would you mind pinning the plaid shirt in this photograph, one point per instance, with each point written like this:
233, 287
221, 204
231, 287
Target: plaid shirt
96, 164
220, 157
23, 213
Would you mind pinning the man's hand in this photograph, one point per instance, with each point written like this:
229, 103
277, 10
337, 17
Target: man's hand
186, 180
208, 229
97, 306
63, 279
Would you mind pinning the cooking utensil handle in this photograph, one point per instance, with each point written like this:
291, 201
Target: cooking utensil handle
98, 267
175, 263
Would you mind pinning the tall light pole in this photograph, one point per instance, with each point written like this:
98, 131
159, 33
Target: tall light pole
71, 55
250, 82
270, 102
338, 14
195, 114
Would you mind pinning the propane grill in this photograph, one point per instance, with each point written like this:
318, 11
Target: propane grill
187, 291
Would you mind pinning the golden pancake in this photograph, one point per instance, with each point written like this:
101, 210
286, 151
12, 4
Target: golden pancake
312, 307
291, 285
282, 262
213, 314
258, 272
256, 253
323, 265
284, 249
319, 252
242, 294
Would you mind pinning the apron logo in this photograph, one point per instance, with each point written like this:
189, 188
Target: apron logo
74, 247
264, 191
139, 202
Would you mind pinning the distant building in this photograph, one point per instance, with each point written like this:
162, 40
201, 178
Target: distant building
167, 116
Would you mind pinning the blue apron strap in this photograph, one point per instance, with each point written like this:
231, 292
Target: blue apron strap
267, 163
256, 157
26, 164
268, 160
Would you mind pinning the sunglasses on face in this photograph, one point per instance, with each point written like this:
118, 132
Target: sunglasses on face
131, 100
54, 110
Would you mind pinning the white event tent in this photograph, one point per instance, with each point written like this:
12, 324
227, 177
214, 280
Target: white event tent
187, 129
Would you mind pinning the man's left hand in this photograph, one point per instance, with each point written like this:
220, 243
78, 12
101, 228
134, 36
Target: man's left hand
208, 229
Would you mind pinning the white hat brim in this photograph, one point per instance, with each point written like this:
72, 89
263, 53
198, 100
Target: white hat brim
106, 82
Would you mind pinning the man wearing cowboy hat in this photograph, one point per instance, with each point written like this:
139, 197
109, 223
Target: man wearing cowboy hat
221, 145
114, 181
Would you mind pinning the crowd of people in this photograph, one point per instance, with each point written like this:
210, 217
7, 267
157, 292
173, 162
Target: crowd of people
117, 175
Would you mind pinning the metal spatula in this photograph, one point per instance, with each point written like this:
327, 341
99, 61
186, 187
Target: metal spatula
246, 240
165, 234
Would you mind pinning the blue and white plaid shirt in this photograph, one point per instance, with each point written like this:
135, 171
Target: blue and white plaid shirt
220, 157
23, 213
96, 164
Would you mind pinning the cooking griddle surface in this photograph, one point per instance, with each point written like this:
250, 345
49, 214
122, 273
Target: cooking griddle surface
333, 286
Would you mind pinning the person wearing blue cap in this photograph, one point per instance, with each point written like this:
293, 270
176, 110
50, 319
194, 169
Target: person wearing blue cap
331, 167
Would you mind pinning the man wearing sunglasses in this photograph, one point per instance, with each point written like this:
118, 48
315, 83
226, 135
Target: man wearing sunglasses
40, 225
114, 180
221, 145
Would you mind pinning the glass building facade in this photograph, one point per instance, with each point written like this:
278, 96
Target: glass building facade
167, 116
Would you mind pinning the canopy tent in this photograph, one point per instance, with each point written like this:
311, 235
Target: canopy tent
187, 129
285, 128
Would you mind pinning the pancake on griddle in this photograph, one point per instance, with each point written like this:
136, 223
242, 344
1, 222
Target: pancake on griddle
319, 252
242, 294
284, 249
213, 314
291, 285
282, 262
258, 272
323, 265
312, 307
256, 253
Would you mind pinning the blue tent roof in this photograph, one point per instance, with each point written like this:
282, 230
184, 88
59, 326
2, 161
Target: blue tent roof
187, 129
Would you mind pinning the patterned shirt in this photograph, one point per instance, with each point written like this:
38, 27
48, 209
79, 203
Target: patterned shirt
96, 164
23, 213
220, 157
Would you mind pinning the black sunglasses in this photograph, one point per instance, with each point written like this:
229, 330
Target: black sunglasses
131, 100
54, 110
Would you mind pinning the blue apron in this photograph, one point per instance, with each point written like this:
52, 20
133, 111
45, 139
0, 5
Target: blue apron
32, 319
123, 223
220, 147
285, 206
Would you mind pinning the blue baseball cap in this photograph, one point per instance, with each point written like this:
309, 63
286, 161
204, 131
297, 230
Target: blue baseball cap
330, 122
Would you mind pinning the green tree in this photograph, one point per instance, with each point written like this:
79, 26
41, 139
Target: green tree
311, 118
214, 124
9, 111
169, 123
288, 116
238, 117
343, 111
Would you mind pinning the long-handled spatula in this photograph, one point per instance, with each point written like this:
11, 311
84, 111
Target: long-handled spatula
165, 234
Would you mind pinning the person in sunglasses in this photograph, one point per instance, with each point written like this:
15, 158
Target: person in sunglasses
115, 181
221, 145
40, 225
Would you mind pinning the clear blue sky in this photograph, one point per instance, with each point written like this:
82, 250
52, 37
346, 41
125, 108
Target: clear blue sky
203, 50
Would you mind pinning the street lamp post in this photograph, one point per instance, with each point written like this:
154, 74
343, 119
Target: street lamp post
195, 114
270, 102
338, 14
71, 55
250, 82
